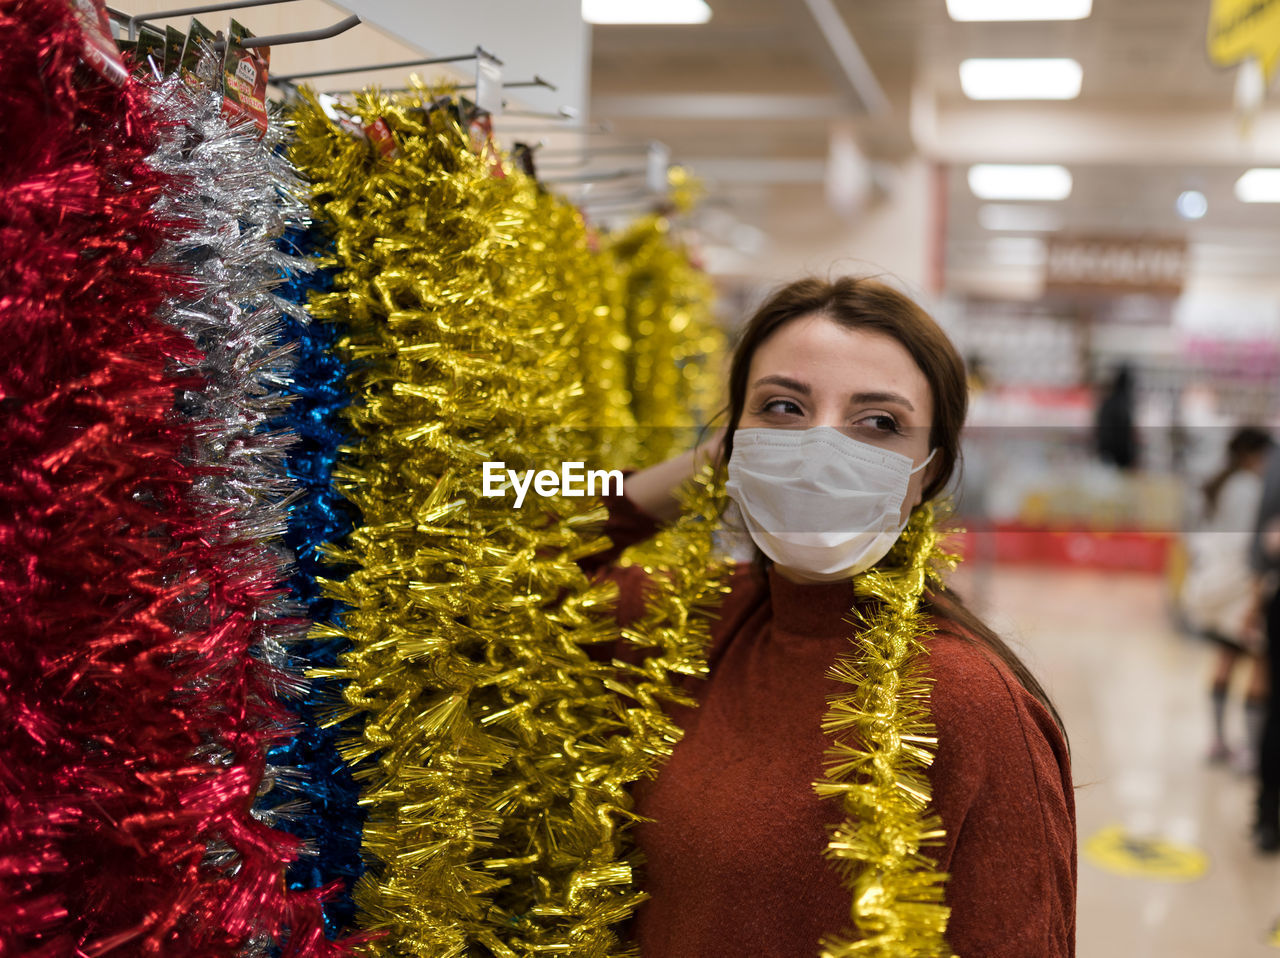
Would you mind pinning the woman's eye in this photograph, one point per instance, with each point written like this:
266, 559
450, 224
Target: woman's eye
782, 406
879, 423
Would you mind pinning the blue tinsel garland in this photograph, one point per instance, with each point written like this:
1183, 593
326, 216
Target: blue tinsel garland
329, 819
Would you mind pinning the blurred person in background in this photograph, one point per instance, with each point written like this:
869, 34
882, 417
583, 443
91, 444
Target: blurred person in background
1219, 597
1115, 438
1265, 554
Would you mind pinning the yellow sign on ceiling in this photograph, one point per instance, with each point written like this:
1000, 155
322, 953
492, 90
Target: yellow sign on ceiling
1239, 29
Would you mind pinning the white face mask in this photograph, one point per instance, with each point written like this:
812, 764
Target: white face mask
816, 502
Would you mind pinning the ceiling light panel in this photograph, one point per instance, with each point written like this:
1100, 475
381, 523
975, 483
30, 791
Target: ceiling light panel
1191, 205
1006, 181
645, 11
1259, 185
1019, 9
1014, 78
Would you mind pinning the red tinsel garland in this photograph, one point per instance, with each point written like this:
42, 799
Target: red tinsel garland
133, 720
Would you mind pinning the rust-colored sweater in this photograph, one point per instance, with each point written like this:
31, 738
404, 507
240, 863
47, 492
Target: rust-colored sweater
734, 851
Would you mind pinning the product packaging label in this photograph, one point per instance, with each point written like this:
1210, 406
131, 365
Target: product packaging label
149, 53
100, 50
244, 78
379, 134
479, 125
341, 117
174, 39
198, 35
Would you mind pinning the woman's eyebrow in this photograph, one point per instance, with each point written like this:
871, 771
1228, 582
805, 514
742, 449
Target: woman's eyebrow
860, 399
786, 382
857, 399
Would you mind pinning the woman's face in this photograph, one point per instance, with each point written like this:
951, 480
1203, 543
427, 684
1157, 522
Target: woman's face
814, 372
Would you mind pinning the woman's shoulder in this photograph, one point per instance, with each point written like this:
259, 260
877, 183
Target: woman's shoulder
978, 704
960, 663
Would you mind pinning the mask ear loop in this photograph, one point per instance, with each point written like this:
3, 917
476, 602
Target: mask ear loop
926, 462
928, 459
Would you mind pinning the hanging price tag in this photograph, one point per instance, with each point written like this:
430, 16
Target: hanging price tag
488, 84
244, 78
198, 37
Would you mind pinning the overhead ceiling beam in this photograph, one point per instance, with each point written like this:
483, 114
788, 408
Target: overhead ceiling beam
848, 55
718, 106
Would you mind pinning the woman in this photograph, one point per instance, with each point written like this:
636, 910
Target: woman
1221, 594
845, 410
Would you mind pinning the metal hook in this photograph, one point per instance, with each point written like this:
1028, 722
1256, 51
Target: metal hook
133, 21
579, 158
536, 81
630, 198
606, 177
595, 129
616, 149
299, 36
562, 113
401, 65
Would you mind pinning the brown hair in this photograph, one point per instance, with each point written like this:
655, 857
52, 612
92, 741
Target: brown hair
868, 304
1245, 442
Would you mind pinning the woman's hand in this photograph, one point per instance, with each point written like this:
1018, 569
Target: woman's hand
653, 489
710, 449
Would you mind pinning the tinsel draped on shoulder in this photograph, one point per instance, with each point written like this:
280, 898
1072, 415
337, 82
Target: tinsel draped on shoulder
883, 743
881, 732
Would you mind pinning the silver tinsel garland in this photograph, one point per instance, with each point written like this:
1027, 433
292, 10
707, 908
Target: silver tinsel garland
238, 196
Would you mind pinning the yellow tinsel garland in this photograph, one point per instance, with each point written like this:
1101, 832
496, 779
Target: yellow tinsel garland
580, 285
883, 741
876, 768
493, 753
689, 577
675, 348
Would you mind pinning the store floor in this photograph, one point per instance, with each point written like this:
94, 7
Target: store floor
1131, 690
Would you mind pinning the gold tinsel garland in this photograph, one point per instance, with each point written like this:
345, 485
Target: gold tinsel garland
876, 768
689, 578
493, 753
581, 285
883, 737
676, 350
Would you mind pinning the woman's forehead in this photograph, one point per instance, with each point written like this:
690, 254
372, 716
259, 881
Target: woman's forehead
828, 356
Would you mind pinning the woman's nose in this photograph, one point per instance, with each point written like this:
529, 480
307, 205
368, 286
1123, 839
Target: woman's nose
828, 417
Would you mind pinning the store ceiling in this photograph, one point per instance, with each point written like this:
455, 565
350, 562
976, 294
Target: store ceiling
750, 102
1154, 116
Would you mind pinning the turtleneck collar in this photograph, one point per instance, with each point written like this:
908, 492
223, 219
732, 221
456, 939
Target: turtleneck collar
809, 608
